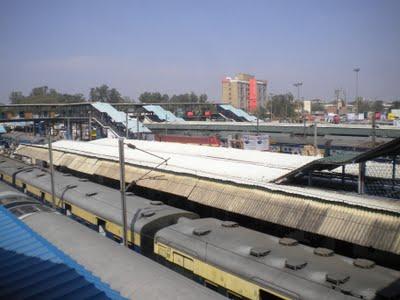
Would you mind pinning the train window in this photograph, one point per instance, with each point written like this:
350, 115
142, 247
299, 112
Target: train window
264, 295
233, 295
211, 285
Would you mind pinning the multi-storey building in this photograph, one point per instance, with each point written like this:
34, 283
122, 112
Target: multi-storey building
244, 91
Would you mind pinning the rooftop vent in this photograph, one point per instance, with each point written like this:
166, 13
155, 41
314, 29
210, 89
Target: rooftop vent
364, 263
91, 194
67, 175
20, 167
323, 252
83, 179
147, 214
71, 186
229, 224
295, 264
130, 194
259, 252
40, 175
288, 241
337, 278
201, 231
156, 203
2, 161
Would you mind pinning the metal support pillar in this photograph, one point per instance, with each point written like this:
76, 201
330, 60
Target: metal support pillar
373, 135
315, 138
394, 168
90, 125
126, 126
122, 187
343, 173
361, 178
69, 132
53, 197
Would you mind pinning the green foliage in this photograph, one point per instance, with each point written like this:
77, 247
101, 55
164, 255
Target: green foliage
283, 106
395, 105
148, 97
317, 106
104, 94
44, 95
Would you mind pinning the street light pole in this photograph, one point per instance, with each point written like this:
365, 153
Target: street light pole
53, 197
357, 70
298, 85
122, 187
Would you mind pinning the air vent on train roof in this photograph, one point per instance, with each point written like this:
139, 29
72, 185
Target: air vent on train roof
201, 231
20, 167
91, 194
337, 278
229, 224
295, 264
288, 241
364, 263
147, 214
156, 203
67, 174
41, 175
259, 251
83, 180
323, 252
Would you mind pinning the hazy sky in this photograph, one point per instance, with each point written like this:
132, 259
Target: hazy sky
181, 46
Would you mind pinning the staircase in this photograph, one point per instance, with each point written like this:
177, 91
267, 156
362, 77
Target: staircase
115, 121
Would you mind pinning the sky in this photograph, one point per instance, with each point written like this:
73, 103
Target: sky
183, 46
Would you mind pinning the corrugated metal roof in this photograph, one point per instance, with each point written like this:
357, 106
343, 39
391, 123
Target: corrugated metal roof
331, 162
162, 113
362, 220
32, 267
239, 112
119, 116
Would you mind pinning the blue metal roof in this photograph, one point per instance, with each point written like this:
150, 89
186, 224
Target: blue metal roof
32, 268
119, 116
239, 112
162, 113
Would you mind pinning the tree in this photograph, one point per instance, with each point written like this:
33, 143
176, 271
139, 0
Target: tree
156, 97
283, 106
395, 105
45, 95
317, 106
104, 94
16, 97
377, 106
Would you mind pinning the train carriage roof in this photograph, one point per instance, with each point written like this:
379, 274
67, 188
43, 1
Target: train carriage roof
252, 254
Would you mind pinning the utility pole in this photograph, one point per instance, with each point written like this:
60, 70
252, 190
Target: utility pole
373, 128
357, 70
53, 197
127, 127
298, 85
315, 137
90, 125
122, 187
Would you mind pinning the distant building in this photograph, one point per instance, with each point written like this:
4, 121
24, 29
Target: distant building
244, 91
